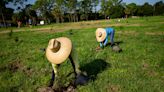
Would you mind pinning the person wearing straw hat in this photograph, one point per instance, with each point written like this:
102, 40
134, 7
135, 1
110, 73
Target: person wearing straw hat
102, 35
57, 51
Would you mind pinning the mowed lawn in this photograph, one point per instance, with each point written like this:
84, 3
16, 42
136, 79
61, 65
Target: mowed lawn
138, 68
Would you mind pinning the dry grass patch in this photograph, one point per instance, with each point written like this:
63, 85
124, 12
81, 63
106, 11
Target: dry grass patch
136, 25
154, 33
134, 33
113, 88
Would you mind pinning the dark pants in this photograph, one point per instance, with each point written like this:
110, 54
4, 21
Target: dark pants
75, 65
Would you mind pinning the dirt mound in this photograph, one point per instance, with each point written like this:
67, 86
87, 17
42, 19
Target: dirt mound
69, 88
15, 65
113, 88
45, 89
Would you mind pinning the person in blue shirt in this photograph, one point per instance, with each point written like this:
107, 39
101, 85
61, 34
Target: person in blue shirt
102, 35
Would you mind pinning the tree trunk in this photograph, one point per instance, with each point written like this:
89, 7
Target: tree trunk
57, 19
62, 19
19, 24
105, 16
76, 16
34, 21
86, 16
69, 17
3, 18
126, 16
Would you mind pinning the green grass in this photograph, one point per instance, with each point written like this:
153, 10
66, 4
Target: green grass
139, 68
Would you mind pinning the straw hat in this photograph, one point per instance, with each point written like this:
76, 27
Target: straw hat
100, 34
58, 50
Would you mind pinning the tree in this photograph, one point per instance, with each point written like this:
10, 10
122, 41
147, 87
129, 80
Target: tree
85, 8
147, 9
113, 8
130, 9
19, 18
140, 11
59, 10
44, 7
71, 7
159, 8
117, 11
133, 8
105, 6
127, 12
57, 14
5, 13
30, 14
23, 14
94, 5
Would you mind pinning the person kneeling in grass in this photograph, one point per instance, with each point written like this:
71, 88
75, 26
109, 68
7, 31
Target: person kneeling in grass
57, 51
102, 36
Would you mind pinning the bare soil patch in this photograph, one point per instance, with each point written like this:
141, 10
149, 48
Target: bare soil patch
15, 65
113, 88
69, 88
148, 70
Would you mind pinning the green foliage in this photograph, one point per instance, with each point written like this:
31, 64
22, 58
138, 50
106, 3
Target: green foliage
18, 16
5, 13
58, 11
45, 7
116, 12
112, 8
147, 9
71, 6
133, 8
105, 6
139, 11
159, 8
85, 8
130, 9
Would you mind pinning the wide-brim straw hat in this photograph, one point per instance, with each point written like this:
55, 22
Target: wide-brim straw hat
62, 54
100, 34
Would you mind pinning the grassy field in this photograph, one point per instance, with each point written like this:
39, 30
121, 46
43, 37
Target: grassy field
139, 68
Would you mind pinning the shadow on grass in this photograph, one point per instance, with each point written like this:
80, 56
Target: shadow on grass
116, 43
94, 67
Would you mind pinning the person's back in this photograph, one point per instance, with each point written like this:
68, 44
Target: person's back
109, 30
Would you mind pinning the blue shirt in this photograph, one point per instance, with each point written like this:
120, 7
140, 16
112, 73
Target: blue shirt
109, 32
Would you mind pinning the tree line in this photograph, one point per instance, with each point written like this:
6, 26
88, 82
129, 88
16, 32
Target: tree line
59, 11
